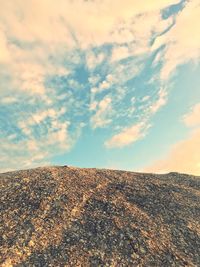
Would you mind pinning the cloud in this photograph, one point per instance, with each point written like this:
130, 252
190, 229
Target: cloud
119, 53
193, 117
8, 100
33, 140
128, 135
24, 154
161, 101
30, 77
182, 41
104, 85
138, 131
27, 34
145, 98
103, 110
183, 157
51, 58
35, 150
97, 19
38, 117
5, 54
93, 60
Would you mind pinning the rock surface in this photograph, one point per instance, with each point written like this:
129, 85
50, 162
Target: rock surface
66, 216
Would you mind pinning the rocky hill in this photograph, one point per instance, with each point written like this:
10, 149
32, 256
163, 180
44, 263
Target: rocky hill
66, 216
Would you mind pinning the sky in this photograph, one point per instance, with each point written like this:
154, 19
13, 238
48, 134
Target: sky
100, 83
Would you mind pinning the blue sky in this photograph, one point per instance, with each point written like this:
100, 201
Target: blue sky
115, 87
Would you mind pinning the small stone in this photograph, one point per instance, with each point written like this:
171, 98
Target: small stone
134, 255
31, 243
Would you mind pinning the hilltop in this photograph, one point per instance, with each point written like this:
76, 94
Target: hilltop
66, 216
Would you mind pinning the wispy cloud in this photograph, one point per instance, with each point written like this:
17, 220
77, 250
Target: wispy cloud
183, 157
193, 117
161, 101
182, 41
120, 52
8, 100
128, 135
102, 117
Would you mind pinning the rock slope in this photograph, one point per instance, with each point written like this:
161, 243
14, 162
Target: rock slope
66, 216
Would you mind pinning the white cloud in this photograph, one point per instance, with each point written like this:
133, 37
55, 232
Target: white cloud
182, 41
8, 100
35, 150
93, 80
183, 157
161, 101
37, 118
24, 128
145, 98
93, 60
20, 155
123, 72
32, 145
93, 105
45, 18
4, 54
61, 135
33, 24
43, 39
193, 117
31, 77
12, 136
103, 110
119, 53
104, 85
128, 135
133, 100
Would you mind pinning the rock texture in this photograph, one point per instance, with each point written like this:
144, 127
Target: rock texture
65, 216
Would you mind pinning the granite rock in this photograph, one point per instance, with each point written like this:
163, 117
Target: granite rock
66, 216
